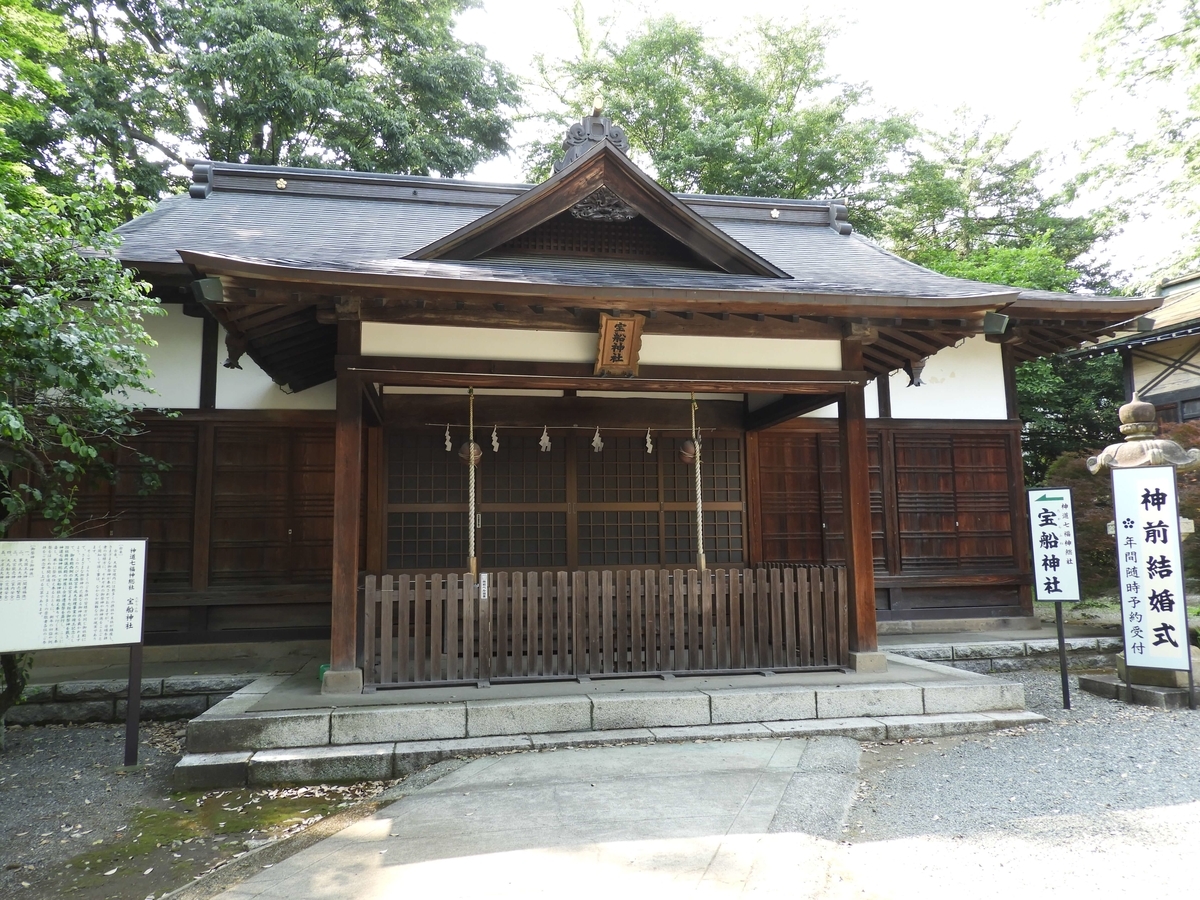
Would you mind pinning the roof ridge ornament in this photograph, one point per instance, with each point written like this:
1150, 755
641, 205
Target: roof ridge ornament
591, 130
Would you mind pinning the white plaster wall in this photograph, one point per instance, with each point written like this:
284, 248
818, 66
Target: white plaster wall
453, 342
963, 382
175, 362
740, 352
251, 388
1144, 369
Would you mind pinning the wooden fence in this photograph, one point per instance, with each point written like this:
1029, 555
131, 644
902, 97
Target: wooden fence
437, 628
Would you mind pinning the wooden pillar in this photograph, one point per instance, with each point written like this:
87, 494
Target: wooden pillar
856, 506
1022, 552
347, 519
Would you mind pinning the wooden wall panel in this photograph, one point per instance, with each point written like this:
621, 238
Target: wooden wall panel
926, 501
251, 482
941, 512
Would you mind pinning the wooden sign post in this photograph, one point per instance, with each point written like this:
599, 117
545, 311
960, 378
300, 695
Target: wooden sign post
1150, 572
77, 593
1055, 561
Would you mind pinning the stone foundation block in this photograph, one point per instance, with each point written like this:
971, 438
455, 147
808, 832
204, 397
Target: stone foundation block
972, 698
650, 709
182, 685
569, 739
104, 690
859, 728
263, 731
416, 755
355, 762
930, 654
689, 733
979, 666
988, 651
533, 715
872, 700
60, 713
423, 722
763, 704
205, 771
38, 693
1050, 647
164, 708
1015, 717
936, 726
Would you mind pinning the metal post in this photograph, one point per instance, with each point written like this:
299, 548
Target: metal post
1062, 657
133, 708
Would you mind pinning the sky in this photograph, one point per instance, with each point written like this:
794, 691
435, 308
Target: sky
1020, 63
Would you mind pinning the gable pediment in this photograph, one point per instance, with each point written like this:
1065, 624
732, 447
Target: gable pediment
601, 205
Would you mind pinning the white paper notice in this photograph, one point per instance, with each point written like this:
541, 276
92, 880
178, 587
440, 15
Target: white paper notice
70, 594
1150, 566
1055, 561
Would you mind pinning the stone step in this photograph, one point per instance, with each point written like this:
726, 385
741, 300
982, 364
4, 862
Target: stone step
385, 760
232, 725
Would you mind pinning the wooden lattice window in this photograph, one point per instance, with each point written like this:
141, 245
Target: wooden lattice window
571, 507
566, 235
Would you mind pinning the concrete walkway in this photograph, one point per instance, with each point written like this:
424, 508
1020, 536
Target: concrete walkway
723, 818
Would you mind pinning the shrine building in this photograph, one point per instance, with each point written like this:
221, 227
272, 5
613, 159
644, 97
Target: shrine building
332, 337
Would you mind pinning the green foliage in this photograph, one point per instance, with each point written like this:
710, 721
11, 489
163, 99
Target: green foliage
28, 37
1151, 49
361, 84
966, 208
71, 324
1069, 406
760, 117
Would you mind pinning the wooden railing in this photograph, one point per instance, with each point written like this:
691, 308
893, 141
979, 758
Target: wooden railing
437, 628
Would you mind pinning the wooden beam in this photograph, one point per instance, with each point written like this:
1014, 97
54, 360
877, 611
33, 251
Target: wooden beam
414, 372
1009, 366
786, 408
347, 516
856, 507
883, 384
209, 347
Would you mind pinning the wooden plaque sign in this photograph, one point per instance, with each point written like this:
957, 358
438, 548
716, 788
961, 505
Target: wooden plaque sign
620, 342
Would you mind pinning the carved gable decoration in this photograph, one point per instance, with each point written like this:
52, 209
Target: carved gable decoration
602, 205
619, 346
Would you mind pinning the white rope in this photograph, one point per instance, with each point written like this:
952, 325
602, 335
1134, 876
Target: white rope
471, 484
699, 494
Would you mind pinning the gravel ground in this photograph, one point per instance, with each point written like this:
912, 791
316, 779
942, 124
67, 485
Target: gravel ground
1066, 780
63, 788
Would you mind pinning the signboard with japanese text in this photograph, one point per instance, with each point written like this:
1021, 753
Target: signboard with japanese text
620, 344
81, 593
1150, 567
1055, 562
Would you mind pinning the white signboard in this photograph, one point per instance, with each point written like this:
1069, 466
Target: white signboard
1055, 561
1150, 567
57, 594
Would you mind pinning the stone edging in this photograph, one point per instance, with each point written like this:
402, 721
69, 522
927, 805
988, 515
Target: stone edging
173, 697
1003, 657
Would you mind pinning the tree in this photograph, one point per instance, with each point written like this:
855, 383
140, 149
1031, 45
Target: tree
757, 118
27, 90
71, 325
361, 84
965, 207
1151, 50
